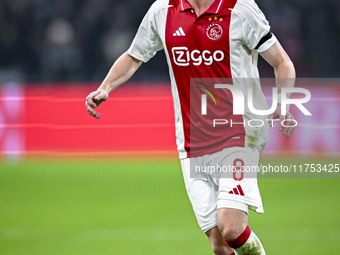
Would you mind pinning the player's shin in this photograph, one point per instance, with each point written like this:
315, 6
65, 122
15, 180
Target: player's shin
247, 243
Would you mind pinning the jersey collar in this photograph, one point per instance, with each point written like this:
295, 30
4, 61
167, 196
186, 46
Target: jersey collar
215, 7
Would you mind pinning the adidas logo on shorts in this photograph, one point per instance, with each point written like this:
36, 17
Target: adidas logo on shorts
237, 191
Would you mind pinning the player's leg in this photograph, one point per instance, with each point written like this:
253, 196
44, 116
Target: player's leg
218, 244
236, 195
202, 192
234, 227
231, 222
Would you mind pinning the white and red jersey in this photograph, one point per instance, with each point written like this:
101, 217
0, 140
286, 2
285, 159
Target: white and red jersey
222, 44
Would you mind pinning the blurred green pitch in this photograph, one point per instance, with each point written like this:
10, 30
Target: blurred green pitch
139, 206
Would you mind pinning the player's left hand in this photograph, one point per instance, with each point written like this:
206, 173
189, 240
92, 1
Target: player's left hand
287, 119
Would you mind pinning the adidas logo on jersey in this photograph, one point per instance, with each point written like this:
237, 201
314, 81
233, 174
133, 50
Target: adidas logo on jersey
237, 191
179, 32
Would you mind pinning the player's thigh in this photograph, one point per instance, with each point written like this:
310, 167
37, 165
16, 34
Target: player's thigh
239, 190
202, 193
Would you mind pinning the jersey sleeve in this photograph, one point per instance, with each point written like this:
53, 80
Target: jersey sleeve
147, 41
256, 33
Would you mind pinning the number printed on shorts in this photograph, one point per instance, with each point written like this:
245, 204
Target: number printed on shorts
238, 172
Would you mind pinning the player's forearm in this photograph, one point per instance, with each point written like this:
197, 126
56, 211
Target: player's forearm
285, 75
283, 67
120, 72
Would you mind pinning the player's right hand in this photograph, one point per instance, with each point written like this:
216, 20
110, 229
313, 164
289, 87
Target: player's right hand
93, 100
288, 119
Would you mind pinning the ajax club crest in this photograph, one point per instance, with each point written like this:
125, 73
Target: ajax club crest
214, 31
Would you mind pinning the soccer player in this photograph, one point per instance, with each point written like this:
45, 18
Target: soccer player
220, 40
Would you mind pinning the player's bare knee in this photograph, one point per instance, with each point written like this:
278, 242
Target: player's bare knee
231, 222
218, 244
221, 249
231, 232
217, 249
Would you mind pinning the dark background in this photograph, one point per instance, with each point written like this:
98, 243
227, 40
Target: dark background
78, 40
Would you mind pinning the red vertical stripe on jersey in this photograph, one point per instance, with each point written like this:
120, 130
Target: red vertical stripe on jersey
197, 54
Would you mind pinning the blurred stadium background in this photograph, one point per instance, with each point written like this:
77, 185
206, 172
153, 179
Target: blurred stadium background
71, 184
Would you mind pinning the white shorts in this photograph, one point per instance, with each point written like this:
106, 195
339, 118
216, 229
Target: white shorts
221, 183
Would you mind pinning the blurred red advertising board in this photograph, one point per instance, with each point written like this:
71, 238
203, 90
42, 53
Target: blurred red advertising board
138, 119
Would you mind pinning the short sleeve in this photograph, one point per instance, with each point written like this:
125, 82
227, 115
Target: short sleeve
147, 41
256, 33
